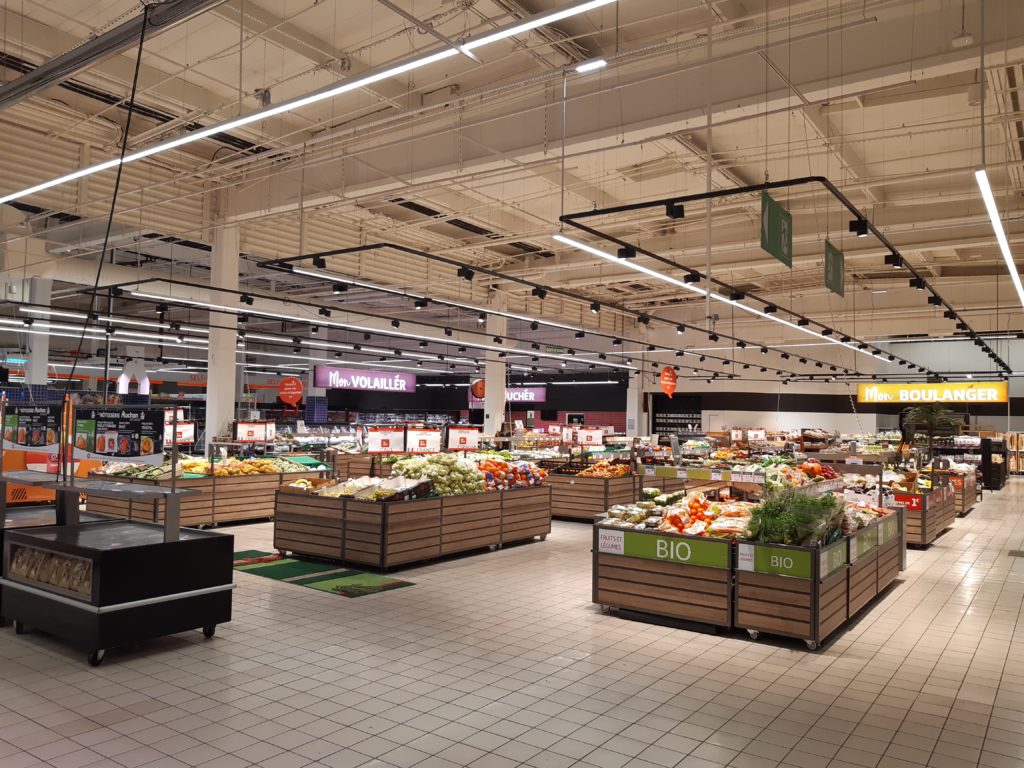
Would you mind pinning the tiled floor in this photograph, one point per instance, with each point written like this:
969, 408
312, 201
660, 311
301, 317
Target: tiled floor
500, 660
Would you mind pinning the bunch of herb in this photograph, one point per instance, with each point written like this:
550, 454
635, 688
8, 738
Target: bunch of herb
789, 517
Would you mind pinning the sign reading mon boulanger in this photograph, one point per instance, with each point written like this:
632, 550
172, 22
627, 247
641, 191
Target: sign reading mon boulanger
949, 392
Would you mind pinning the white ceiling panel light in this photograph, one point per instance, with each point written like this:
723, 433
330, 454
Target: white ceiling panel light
373, 76
997, 225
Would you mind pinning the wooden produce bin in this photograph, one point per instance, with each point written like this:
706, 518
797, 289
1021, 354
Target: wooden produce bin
965, 491
799, 592
349, 465
926, 514
220, 499
583, 498
663, 574
664, 484
383, 535
876, 559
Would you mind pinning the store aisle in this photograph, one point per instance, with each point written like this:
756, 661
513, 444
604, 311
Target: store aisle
500, 660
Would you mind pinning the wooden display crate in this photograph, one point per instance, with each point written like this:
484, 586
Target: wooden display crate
384, 535
965, 491
876, 559
220, 499
583, 498
683, 577
926, 514
664, 484
799, 592
349, 465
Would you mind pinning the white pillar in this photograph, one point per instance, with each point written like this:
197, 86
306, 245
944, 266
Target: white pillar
636, 417
221, 368
37, 344
495, 377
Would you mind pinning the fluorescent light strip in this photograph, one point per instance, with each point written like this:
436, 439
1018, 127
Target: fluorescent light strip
591, 66
997, 225
349, 326
383, 73
694, 289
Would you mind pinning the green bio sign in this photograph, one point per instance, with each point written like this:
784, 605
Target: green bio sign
776, 230
832, 558
835, 269
710, 553
863, 542
888, 529
776, 561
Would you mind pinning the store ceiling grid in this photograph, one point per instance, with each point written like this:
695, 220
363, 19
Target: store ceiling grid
465, 161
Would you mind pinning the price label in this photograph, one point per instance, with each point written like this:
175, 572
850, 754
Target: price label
385, 440
592, 438
910, 501
716, 475
567, 435
756, 435
854, 460
463, 438
736, 435
423, 440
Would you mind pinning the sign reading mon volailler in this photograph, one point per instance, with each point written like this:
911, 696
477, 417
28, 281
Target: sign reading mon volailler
329, 377
947, 392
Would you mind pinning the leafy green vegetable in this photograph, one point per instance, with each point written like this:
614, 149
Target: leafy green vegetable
789, 517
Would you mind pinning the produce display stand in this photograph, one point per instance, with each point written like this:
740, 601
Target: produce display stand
214, 499
799, 592
682, 577
926, 514
114, 582
965, 490
383, 535
348, 465
583, 498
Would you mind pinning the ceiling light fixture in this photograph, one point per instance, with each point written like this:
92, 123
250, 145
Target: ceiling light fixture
591, 66
859, 227
352, 84
997, 226
595, 307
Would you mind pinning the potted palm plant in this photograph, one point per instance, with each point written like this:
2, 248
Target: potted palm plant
932, 419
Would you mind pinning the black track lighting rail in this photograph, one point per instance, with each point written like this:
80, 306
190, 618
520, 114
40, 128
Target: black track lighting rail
894, 259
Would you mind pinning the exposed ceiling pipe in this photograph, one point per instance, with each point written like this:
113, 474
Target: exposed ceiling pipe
162, 17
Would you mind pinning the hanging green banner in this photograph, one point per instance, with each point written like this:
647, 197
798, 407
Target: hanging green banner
835, 269
776, 230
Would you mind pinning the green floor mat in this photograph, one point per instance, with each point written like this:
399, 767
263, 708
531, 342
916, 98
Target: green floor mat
353, 583
325, 577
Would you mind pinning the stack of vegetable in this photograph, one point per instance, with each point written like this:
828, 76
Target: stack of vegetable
503, 475
450, 474
692, 514
815, 470
605, 469
788, 517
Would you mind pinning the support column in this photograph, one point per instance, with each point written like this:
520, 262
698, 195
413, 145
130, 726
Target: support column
495, 377
636, 418
316, 397
221, 369
38, 345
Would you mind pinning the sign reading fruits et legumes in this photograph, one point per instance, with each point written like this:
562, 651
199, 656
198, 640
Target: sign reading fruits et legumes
125, 434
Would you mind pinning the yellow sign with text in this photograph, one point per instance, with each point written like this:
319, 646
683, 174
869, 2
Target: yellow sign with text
948, 392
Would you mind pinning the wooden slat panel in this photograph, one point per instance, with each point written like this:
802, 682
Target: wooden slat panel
773, 624
680, 610
767, 594
661, 584
772, 608
785, 583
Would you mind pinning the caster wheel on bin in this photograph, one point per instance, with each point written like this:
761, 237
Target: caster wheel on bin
812, 645
96, 657
754, 634
209, 631
19, 628
544, 537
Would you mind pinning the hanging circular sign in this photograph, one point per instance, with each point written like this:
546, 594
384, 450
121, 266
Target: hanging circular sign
668, 380
477, 388
290, 390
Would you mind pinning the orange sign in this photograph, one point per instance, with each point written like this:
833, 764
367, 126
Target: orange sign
477, 389
290, 390
668, 380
